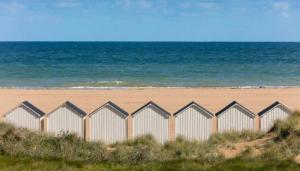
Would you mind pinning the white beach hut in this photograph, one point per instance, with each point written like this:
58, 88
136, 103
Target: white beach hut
108, 123
193, 122
66, 118
25, 115
235, 117
269, 115
151, 119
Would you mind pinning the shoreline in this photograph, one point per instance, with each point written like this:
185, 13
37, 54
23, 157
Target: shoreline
148, 87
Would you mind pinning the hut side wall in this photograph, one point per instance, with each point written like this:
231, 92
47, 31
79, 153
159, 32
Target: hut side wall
193, 123
65, 120
20, 117
108, 125
267, 119
235, 118
151, 121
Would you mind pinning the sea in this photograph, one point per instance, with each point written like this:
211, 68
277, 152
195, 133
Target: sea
149, 64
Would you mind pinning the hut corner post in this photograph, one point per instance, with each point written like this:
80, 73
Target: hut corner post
172, 134
44, 125
256, 123
129, 127
87, 130
214, 128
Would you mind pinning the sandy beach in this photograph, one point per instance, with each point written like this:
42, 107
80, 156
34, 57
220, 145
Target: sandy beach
171, 99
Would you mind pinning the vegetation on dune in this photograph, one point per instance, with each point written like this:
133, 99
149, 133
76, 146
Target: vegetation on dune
234, 136
286, 144
21, 142
142, 149
25, 163
145, 153
182, 149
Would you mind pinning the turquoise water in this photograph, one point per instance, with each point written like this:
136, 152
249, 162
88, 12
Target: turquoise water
131, 64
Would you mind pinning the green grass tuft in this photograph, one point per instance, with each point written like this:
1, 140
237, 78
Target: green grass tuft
8, 163
22, 143
234, 136
286, 144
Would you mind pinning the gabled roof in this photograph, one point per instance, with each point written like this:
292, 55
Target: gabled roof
196, 105
273, 106
111, 104
29, 107
234, 103
150, 103
70, 106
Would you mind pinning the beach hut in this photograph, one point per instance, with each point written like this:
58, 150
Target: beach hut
66, 118
235, 117
151, 119
269, 115
193, 122
25, 115
108, 123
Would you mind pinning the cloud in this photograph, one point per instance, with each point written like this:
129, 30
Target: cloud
185, 5
13, 7
194, 8
281, 5
124, 3
285, 14
206, 5
66, 3
136, 4
145, 4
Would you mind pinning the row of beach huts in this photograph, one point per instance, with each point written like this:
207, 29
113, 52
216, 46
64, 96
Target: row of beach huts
109, 123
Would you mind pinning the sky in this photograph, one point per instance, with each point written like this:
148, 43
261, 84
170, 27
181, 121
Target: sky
149, 20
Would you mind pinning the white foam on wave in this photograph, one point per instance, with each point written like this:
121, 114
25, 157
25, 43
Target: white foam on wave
116, 84
146, 87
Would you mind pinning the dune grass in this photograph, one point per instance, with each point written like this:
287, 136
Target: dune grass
286, 144
21, 142
8, 163
21, 149
234, 136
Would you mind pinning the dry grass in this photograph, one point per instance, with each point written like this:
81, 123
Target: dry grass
286, 144
23, 143
227, 138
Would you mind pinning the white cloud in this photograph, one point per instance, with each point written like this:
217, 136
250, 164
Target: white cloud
281, 5
66, 3
206, 5
124, 3
134, 4
12, 7
185, 5
145, 4
285, 14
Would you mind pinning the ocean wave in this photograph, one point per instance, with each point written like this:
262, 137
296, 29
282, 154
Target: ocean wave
132, 84
106, 84
112, 85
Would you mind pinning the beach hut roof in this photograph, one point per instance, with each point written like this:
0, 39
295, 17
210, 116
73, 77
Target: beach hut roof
151, 103
275, 104
111, 104
195, 105
70, 106
30, 108
234, 103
